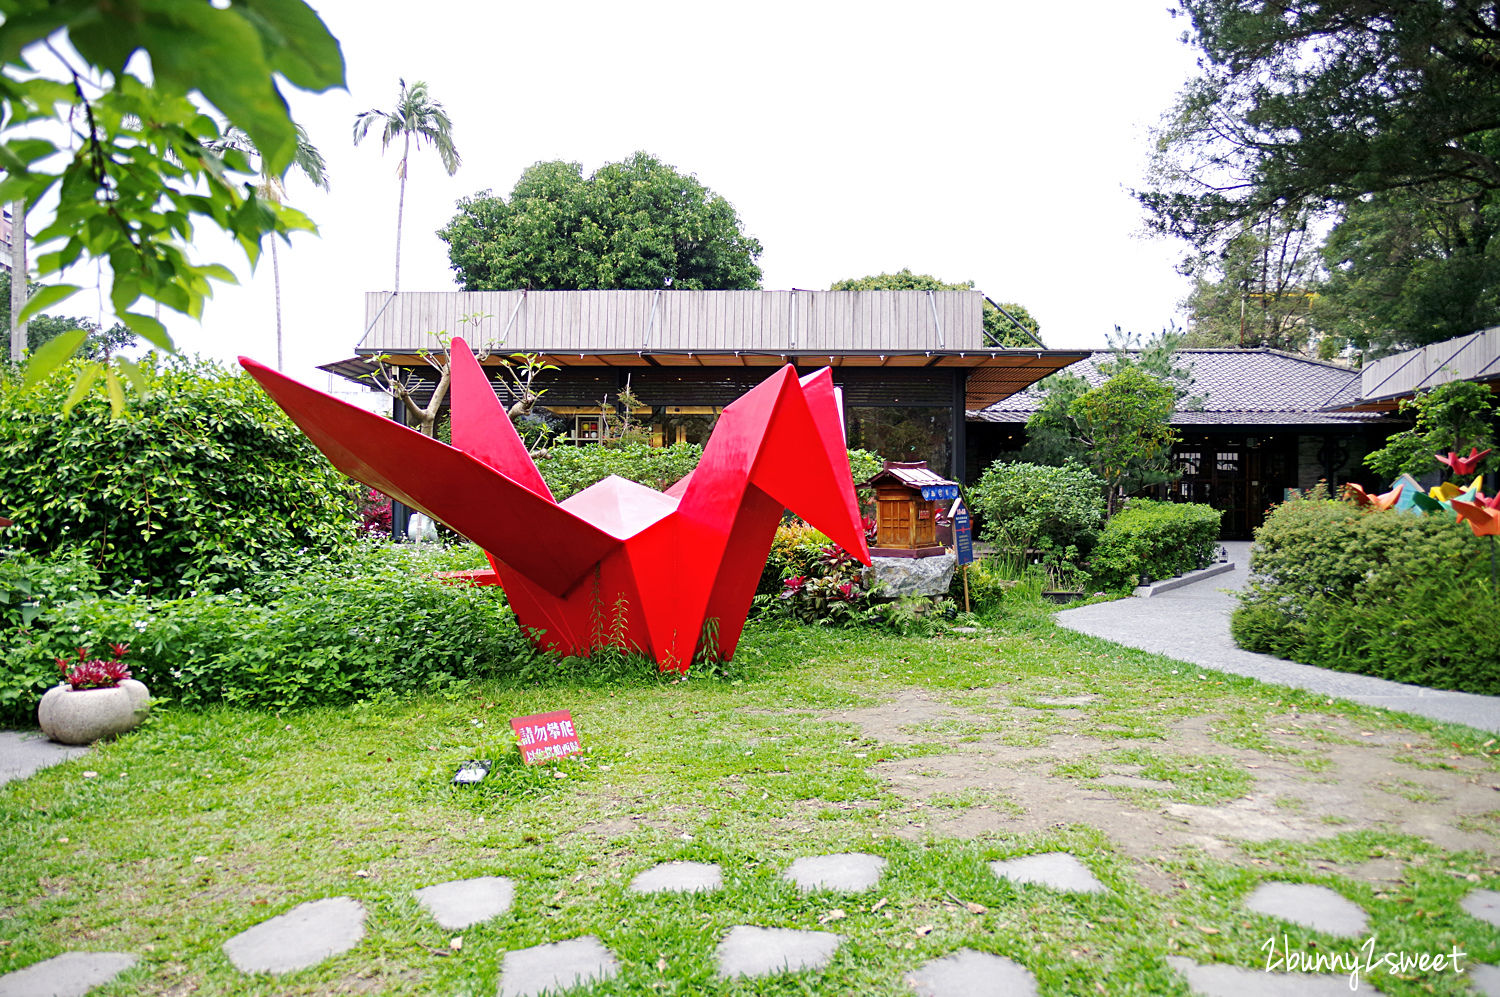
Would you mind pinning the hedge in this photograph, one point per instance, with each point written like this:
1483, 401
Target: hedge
1057, 510
1385, 593
1156, 540
373, 625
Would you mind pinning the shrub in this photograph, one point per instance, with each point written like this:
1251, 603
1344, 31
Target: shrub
202, 483
376, 624
1156, 539
1056, 510
794, 551
1390, 594
570, 469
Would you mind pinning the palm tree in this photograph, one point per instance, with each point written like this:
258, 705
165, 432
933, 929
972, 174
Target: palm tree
417, 114
273, 188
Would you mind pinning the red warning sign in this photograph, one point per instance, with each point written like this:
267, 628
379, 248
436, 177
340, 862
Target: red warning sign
545, 736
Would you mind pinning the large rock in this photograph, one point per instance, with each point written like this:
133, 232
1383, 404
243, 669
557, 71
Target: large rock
900, 576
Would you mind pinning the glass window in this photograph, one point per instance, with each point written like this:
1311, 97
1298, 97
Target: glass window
904, 434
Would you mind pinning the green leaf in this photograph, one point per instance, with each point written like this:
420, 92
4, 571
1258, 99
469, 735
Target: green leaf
298, 44
132, 372
52, 354
149, 329
86, 378
116, 394
45, 298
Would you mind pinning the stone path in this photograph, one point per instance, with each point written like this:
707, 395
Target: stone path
304, 936
1192, 624
463, 902
1315, 907
25, 753
751, 951
312, 932
1057, 870
71, 974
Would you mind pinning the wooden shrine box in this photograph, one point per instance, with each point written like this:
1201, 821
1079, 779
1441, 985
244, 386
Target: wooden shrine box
906, 509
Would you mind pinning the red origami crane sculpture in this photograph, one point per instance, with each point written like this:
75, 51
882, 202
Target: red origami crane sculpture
680, 567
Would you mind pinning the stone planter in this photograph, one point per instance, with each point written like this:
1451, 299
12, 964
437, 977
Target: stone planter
83, 716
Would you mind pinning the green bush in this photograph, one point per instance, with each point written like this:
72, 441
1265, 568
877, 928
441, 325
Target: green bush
1155, 539
1056, 510
1391, 594
794, 552
201, 484
377, 624
570, 469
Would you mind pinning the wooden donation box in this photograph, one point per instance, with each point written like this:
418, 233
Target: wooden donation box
906, 509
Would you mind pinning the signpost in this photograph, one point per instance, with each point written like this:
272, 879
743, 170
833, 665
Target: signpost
545, 736
963, 543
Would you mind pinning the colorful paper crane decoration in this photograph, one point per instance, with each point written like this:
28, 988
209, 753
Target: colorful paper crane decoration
1359, 496
1463, 466
620, 563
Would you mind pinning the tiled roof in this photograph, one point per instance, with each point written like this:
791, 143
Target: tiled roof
1230, 387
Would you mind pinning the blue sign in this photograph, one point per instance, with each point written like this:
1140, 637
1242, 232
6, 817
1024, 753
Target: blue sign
938, 492
963, 535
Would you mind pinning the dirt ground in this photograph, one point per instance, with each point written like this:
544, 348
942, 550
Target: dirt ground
1397, 781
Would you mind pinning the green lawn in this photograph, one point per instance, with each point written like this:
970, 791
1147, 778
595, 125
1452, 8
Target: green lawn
1181, 789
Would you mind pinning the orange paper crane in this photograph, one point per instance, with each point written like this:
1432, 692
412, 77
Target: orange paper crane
668, 564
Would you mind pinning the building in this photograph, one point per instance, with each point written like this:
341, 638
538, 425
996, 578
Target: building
1256, 423
911, 364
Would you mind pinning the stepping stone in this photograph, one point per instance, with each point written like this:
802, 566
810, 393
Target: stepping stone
1483, 904
967, 973
556, 966
303, 936
24, 755
1234, 981
1058, 870
463, 902
679, 877
751, 951
1485, 979
71, 974
850, 872
1315, 907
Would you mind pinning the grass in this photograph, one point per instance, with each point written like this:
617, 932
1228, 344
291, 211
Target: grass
200, 824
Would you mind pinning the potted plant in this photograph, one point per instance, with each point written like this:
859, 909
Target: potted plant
96, 699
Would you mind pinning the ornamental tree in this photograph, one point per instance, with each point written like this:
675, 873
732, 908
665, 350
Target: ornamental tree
1124, 426
637, 224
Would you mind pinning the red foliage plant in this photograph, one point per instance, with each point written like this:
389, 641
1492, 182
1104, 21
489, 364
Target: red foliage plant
95, 673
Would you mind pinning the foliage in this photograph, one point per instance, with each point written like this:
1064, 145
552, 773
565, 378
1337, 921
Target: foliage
1383, 593
794, 552
1053, 433
1326, 102
998, 329
995, 579
832, 592
570, 469
373, 510
204, 484
415, 115
1156, 540
1381, 117
637, 224
97, 342
133, 163
95, 673
1256, 288
1058, 511
328, 633
1124, 424
1453, 416
1411, 267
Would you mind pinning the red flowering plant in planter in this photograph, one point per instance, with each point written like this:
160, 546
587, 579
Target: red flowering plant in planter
95, 673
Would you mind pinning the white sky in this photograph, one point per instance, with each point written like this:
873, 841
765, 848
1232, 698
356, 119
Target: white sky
992, 142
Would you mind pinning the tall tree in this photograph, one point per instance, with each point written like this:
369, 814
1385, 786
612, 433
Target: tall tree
1013, 327
1411, 267
637, 224
272, 187
97, 344
1257, 289
1316, 107
417, 115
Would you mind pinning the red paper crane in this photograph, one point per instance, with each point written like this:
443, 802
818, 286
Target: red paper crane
668, 563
